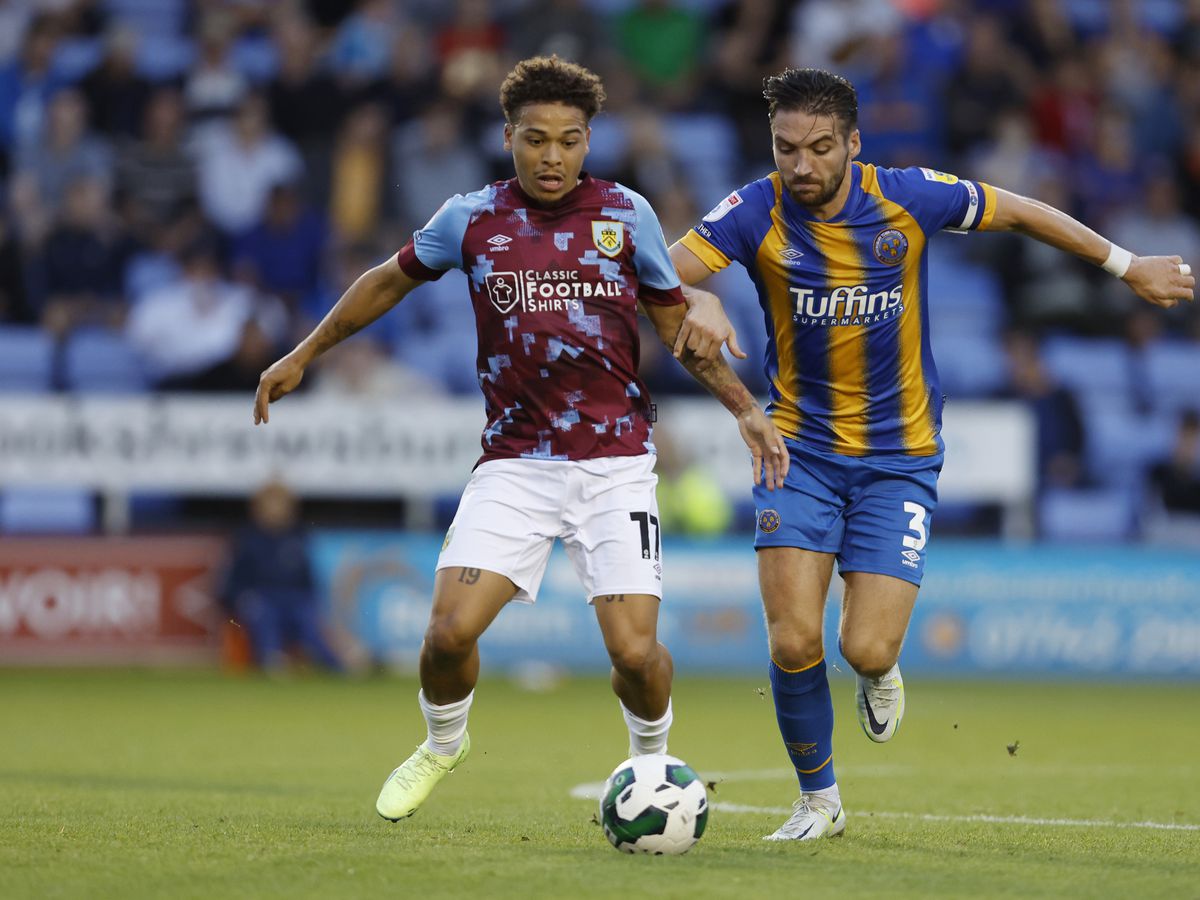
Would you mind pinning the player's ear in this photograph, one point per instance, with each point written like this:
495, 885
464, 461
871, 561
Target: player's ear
508, 136
587, 140
855, 144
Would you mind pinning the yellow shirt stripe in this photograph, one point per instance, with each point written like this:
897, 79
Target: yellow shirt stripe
786, 412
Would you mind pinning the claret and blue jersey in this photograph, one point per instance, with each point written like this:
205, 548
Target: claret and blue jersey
845, 302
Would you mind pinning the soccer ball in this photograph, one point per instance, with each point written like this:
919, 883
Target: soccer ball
653, 804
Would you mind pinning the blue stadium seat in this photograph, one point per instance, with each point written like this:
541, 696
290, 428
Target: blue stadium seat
706, 147
1173, 369
34, 510
103, 362
164, 57
153, 19
964, 299
1121, 444
445, 358
256, 58
970, 365
1089, 365
26, 359
75, 57
1094, 515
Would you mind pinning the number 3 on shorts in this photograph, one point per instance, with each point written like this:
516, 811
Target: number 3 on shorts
917, 524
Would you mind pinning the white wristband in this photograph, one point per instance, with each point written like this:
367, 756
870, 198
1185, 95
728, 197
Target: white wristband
1118, 261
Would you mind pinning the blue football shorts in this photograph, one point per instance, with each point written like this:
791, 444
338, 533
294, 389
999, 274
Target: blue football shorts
872, 511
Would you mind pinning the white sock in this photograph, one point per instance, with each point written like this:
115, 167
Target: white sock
829, 799
647, 737
447, 724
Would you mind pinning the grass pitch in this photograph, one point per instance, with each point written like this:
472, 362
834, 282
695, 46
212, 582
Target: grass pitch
139, 784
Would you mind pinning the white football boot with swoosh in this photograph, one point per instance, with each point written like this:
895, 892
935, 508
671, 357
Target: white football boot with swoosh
811, 819
880, 704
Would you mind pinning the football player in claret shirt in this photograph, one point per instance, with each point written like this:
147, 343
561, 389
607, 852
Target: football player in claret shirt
836, 249
557, 264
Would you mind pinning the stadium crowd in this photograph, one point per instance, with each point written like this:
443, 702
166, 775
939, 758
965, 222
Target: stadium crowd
188, 186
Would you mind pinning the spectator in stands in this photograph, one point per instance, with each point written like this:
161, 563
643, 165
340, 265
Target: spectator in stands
83, 262
283, 254
13, 306
360, 49
430, 157
214, 87
1060, 434
661, 41
359, 174
66, 152
994, 76
470, 52
202, 333
25, 86
156, 174
841, 35
1177, 477
566, 28
116, 94
269, 586
305, 101
240, 163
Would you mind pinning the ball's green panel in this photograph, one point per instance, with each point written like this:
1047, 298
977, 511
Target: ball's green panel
681, 775
652, 821
701, 822
620, 781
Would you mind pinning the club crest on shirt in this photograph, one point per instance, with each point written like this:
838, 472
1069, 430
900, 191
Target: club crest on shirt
768, 521
890, 247
609, 237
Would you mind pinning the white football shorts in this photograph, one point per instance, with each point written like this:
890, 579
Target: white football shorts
603, 510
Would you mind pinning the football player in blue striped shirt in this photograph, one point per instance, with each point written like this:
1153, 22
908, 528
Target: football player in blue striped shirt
837, 251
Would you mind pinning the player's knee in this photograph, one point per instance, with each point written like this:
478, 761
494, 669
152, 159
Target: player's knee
446, 638
870, 655
796, 648
634, 659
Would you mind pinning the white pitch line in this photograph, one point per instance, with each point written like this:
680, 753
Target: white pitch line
592, 790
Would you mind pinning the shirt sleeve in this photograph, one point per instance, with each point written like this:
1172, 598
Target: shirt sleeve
720, 238
437, 247
658, 282
939, 200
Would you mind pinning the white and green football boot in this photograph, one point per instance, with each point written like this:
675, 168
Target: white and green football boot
413, 780
810, 820
880, 704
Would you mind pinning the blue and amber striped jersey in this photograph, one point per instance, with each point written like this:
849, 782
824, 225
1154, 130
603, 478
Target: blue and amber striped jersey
845, 302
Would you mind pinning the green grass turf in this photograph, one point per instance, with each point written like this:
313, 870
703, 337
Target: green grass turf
131, 784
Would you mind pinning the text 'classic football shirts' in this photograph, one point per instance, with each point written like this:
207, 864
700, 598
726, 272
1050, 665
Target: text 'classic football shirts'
845, 301
555, 292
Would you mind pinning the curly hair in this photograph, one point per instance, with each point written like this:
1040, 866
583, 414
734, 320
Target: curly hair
815, 92
548, 79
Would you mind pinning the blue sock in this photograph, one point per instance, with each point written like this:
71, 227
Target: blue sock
804, 710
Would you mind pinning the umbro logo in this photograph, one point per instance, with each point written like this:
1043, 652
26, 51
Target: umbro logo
790, 255
499, 242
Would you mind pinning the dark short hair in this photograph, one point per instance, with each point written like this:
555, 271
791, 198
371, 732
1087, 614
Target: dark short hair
814, 91
548, 79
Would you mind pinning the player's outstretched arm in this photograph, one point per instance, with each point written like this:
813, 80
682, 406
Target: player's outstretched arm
1161, 280
706, 327
373, 293
768, 453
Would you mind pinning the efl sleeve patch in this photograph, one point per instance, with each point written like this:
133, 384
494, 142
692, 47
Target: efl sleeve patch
721, 210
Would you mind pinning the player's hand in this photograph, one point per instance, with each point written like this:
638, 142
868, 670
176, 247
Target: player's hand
282, 378
705, 329
769, 455
1161, 280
